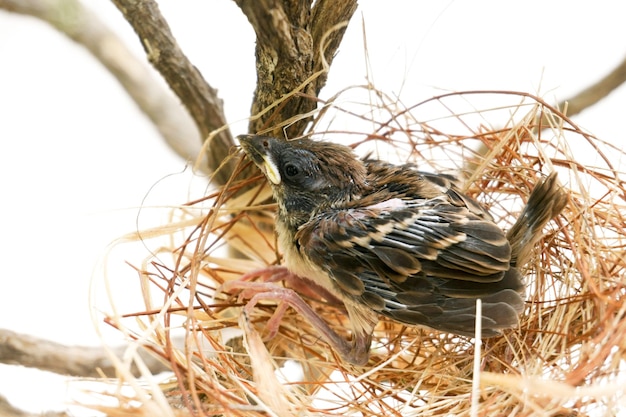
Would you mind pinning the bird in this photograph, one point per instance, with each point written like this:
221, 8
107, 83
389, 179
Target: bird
390, 240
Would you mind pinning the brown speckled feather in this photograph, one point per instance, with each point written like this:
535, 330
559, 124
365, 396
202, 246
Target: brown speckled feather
417, 260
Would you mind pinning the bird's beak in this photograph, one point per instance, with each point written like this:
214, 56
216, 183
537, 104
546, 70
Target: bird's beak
258, 150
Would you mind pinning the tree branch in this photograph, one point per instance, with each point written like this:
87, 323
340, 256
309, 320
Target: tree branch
7, 410
289, 35
81, 25
200, 99
325, 16
83, 361
597, 91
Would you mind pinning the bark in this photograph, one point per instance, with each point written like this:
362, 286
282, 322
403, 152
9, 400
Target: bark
296, 44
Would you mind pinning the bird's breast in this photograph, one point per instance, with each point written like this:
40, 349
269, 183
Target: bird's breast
299, 264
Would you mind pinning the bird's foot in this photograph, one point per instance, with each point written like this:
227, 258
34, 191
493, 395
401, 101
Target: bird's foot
355, 352
272, 274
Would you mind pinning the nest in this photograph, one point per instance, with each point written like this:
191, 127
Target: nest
564, 359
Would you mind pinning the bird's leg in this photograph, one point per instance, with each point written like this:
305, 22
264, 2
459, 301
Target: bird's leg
308, 288
267, 274
252, 290
303, 286
356, 352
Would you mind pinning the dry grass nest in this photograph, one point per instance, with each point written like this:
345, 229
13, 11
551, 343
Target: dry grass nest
566, 358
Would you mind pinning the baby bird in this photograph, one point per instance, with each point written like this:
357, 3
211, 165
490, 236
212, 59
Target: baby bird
390, 240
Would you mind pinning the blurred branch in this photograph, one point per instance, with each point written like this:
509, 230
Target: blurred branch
200, 99
81, 25
7, 410
82, 361
290, 35
597, 91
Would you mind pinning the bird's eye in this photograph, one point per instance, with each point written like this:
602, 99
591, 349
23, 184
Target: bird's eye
291, 170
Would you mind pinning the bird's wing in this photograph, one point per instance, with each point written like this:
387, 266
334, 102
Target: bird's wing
418, 261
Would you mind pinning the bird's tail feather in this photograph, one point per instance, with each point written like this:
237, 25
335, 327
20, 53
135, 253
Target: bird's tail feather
546, 201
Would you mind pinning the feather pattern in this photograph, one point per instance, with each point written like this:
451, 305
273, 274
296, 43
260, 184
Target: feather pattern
421, 262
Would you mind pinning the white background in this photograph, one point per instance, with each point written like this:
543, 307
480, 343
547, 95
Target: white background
77, 158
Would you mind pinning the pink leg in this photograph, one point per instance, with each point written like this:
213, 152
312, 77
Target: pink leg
301, 285
355, 352
269, 274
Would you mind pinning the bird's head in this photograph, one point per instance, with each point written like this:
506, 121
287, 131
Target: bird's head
306, 176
